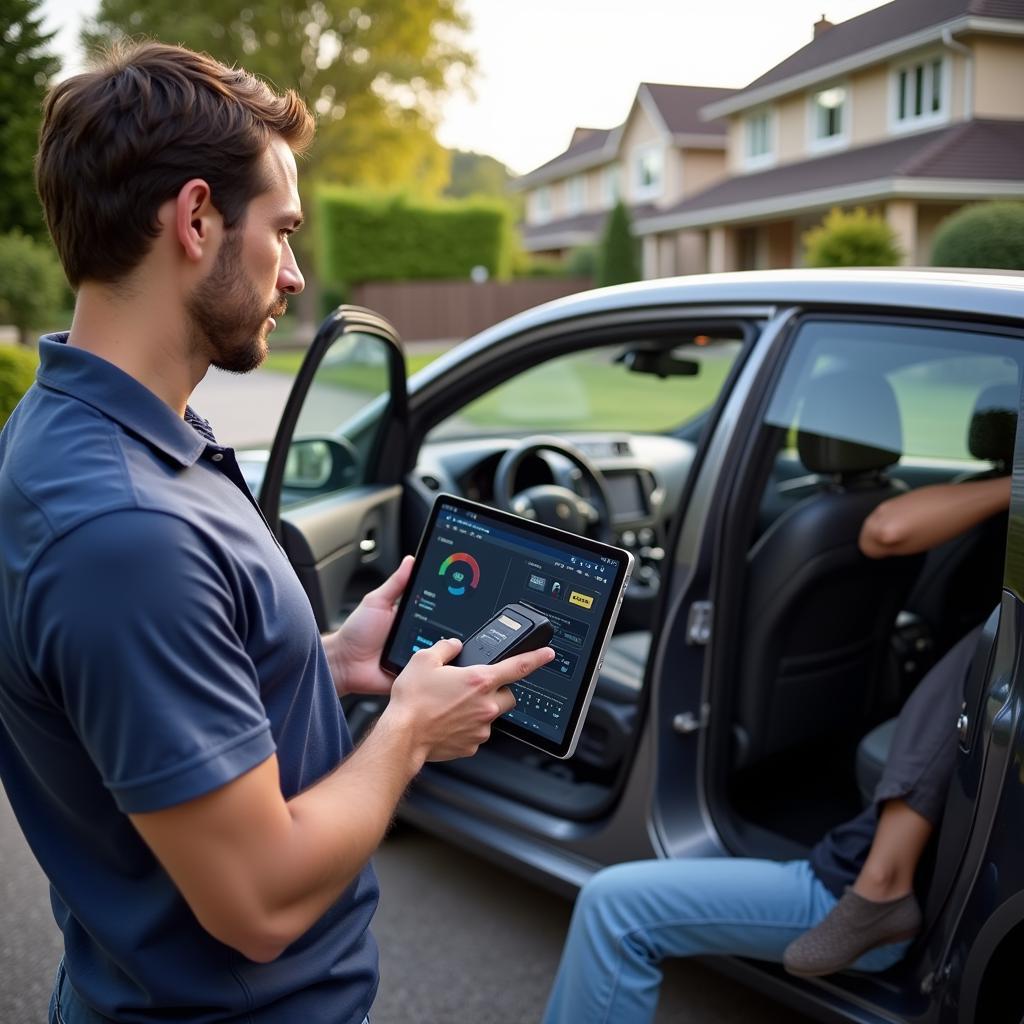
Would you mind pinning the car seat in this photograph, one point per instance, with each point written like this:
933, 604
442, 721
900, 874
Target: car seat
817, 613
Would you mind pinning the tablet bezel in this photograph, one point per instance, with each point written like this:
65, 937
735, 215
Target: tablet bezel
565, 747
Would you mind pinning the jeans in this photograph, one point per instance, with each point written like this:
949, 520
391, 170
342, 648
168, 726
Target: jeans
628, 918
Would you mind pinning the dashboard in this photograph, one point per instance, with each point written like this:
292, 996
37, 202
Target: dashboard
644, 477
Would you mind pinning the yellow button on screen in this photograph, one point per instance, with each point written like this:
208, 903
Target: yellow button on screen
583, 600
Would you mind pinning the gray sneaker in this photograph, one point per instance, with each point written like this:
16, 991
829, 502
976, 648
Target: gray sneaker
851, 928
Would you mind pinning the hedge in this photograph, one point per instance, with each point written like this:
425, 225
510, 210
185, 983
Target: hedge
365, 237
17, 372
988, 235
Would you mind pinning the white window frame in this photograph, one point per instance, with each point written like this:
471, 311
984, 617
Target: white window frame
929, 118
653, 189
541, 204
611, 185
575, 195
826, 143
754, 162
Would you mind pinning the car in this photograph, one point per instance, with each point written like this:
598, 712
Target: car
736, 429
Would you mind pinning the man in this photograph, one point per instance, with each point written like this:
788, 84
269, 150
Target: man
171, 739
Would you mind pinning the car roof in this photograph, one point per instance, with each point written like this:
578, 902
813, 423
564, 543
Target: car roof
995, 294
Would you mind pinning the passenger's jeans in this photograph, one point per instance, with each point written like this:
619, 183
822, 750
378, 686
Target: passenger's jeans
631, 916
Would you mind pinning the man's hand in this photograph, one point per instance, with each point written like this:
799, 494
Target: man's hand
354, 650
447, 710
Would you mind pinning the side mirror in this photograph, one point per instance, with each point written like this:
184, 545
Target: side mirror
316, 464
659, 362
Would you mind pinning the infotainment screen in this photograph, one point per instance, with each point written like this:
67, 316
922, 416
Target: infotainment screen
472, 561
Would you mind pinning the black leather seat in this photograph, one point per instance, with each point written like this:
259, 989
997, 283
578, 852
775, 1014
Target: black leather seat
818, 614
961, 580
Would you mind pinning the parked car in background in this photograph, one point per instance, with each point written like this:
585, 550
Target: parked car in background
734, 431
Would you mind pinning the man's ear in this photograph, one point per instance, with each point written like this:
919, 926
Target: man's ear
197, 221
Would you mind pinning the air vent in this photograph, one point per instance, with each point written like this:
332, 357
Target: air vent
622, 448
430, 482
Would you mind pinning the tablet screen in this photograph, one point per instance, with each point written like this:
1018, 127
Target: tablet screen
472, 561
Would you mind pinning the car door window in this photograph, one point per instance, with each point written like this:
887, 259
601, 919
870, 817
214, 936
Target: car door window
936, 374
340, 419
597, 390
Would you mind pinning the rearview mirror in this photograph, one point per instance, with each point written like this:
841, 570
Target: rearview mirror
660, 362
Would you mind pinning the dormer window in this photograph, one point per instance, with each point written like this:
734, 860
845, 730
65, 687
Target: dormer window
829, 124
759, 139
648, 167
920, 93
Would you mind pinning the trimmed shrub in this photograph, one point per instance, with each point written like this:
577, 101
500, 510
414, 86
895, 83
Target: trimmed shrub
857, 239
987, 235
17, 372
617, 259
32, 283
582, 262
390, 238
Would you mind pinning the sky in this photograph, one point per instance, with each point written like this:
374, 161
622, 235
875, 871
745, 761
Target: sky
546, 66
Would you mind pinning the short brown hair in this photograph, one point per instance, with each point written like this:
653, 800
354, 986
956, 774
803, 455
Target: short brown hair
120, 140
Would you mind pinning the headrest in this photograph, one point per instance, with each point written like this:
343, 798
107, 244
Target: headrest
994, 425
849, 423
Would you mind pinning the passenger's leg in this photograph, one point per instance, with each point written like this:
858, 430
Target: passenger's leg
630, 917
899, 842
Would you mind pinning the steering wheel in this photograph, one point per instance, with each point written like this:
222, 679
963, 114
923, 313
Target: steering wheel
550, 503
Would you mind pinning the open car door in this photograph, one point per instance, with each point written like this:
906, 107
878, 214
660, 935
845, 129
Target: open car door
331, 489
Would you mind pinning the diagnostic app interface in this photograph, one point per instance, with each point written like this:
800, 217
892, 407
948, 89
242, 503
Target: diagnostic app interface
472, 567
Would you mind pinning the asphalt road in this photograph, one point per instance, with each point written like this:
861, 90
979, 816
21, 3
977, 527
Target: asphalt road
462, 942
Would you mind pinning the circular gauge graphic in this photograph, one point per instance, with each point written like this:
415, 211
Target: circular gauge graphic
460, 570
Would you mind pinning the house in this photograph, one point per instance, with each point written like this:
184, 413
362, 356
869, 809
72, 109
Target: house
911, 110
664, 152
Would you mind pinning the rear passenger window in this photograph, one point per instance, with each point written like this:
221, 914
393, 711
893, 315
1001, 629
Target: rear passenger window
946, 384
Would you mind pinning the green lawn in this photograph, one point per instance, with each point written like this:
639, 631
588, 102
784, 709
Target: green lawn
355, 376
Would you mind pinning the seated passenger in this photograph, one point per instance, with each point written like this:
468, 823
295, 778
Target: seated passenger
629, 917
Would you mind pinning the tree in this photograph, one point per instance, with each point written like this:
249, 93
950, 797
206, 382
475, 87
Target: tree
987, 235
32, 284
476, 174
26, 67
856, 239
373, 72
617, 260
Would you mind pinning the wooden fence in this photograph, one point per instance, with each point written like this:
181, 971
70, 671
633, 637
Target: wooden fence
453, 310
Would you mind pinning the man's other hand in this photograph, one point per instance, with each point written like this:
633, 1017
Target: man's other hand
354, 650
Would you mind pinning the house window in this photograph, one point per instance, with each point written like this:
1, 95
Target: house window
648, 164
610, 185
759, 143
541, 203
829, 117
574, 195
920, 93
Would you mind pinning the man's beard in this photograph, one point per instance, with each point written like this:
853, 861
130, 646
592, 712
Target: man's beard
223, 320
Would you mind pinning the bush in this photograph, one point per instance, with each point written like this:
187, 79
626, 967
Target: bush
617, 260
387, 238
582, 262
32, 284
988, 235
17, 372
856, 239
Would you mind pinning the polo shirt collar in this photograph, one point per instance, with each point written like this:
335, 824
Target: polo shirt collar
119, 396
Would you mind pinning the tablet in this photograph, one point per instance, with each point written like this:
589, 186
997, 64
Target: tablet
472, 561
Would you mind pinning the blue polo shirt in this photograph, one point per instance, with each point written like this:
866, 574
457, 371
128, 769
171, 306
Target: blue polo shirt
155, 644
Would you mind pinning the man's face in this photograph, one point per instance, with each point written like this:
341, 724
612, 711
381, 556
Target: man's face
235, 307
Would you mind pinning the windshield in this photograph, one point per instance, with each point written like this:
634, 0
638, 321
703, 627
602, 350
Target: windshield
596, 390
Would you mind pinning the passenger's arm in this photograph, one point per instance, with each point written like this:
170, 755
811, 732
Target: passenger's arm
929, 516
258, 871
